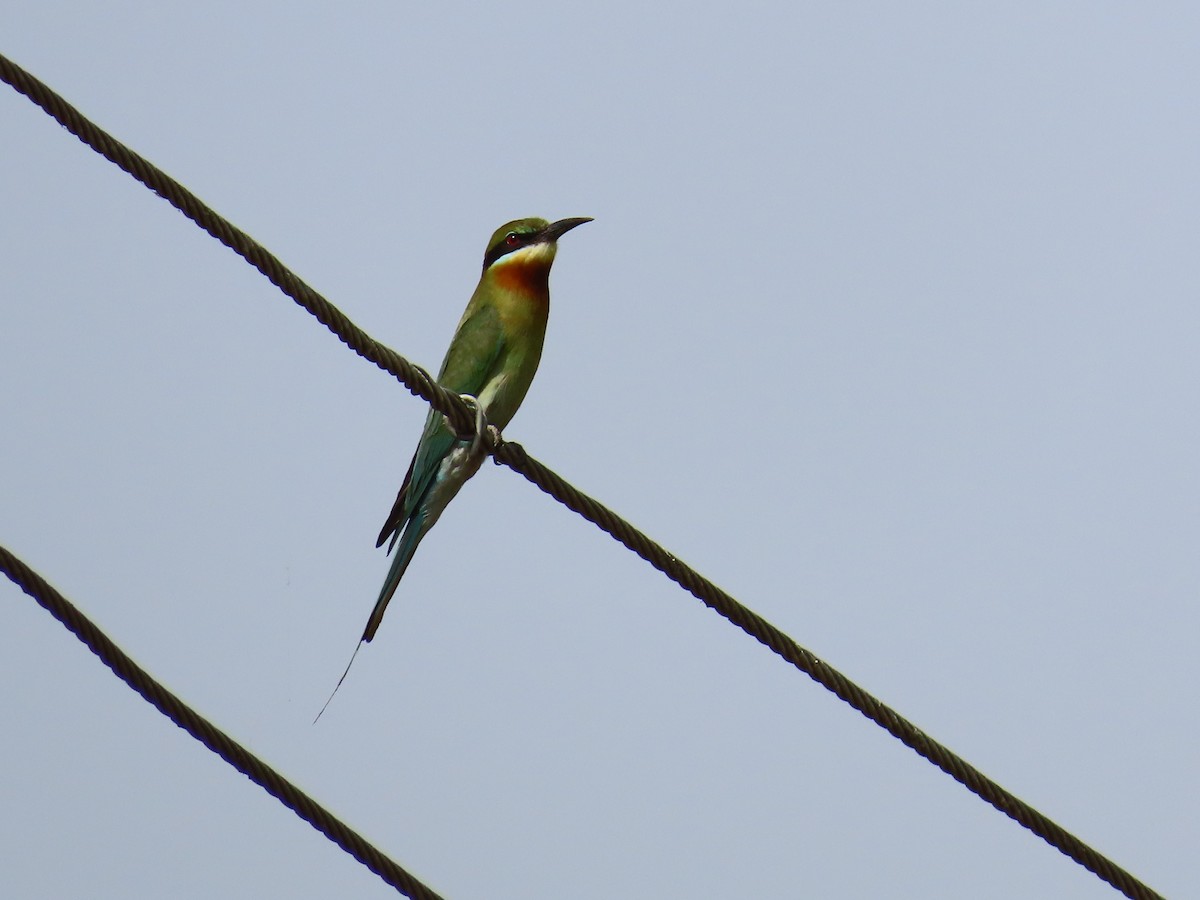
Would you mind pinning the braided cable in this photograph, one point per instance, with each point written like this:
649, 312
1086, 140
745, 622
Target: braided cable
764, 632
208, 734
417, 380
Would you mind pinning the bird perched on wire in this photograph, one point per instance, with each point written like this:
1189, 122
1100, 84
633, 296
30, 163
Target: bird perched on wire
491, 362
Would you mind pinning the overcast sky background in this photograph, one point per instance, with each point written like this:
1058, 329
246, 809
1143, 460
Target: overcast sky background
887, 323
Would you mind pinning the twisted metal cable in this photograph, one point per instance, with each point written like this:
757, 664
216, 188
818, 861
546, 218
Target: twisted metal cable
764, 632
208, 734
419, 382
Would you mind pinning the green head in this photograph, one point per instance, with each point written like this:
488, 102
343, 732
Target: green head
527, 241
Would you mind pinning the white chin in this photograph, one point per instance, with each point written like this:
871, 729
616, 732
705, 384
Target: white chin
533, 253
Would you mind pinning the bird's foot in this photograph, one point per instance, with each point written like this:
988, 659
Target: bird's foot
495, 440
483, 430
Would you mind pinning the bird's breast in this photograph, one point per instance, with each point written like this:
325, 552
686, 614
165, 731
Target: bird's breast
528, 282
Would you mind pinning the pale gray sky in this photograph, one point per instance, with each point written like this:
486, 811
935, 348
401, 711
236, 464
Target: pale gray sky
887, 322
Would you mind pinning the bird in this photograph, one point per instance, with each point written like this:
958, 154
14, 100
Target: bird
491, 362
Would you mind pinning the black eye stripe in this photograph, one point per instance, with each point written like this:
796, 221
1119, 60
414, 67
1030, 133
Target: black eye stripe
503, 249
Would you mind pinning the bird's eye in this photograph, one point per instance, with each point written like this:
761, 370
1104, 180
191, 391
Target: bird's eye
512, 239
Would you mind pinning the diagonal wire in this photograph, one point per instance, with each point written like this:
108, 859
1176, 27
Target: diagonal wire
825, 675
208, 734
514, 456
417, 380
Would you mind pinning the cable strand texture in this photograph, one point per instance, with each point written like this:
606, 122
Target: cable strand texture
419, 383
206, 733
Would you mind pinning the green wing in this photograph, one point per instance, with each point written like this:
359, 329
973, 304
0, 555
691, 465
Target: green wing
473, 358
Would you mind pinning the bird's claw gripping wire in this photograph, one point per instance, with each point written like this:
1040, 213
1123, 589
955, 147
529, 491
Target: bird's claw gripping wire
485, 433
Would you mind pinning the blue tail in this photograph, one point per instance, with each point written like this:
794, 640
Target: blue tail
414, 530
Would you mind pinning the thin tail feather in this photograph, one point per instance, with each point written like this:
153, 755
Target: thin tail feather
408, 546
357, 647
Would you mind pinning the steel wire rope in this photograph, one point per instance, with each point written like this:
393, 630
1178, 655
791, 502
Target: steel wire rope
418, 382
208, 734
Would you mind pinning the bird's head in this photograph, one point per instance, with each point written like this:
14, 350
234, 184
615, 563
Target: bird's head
526, 244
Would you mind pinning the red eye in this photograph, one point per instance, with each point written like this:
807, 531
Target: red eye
512, 239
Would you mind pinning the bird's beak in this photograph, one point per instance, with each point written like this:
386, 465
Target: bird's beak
555, 230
